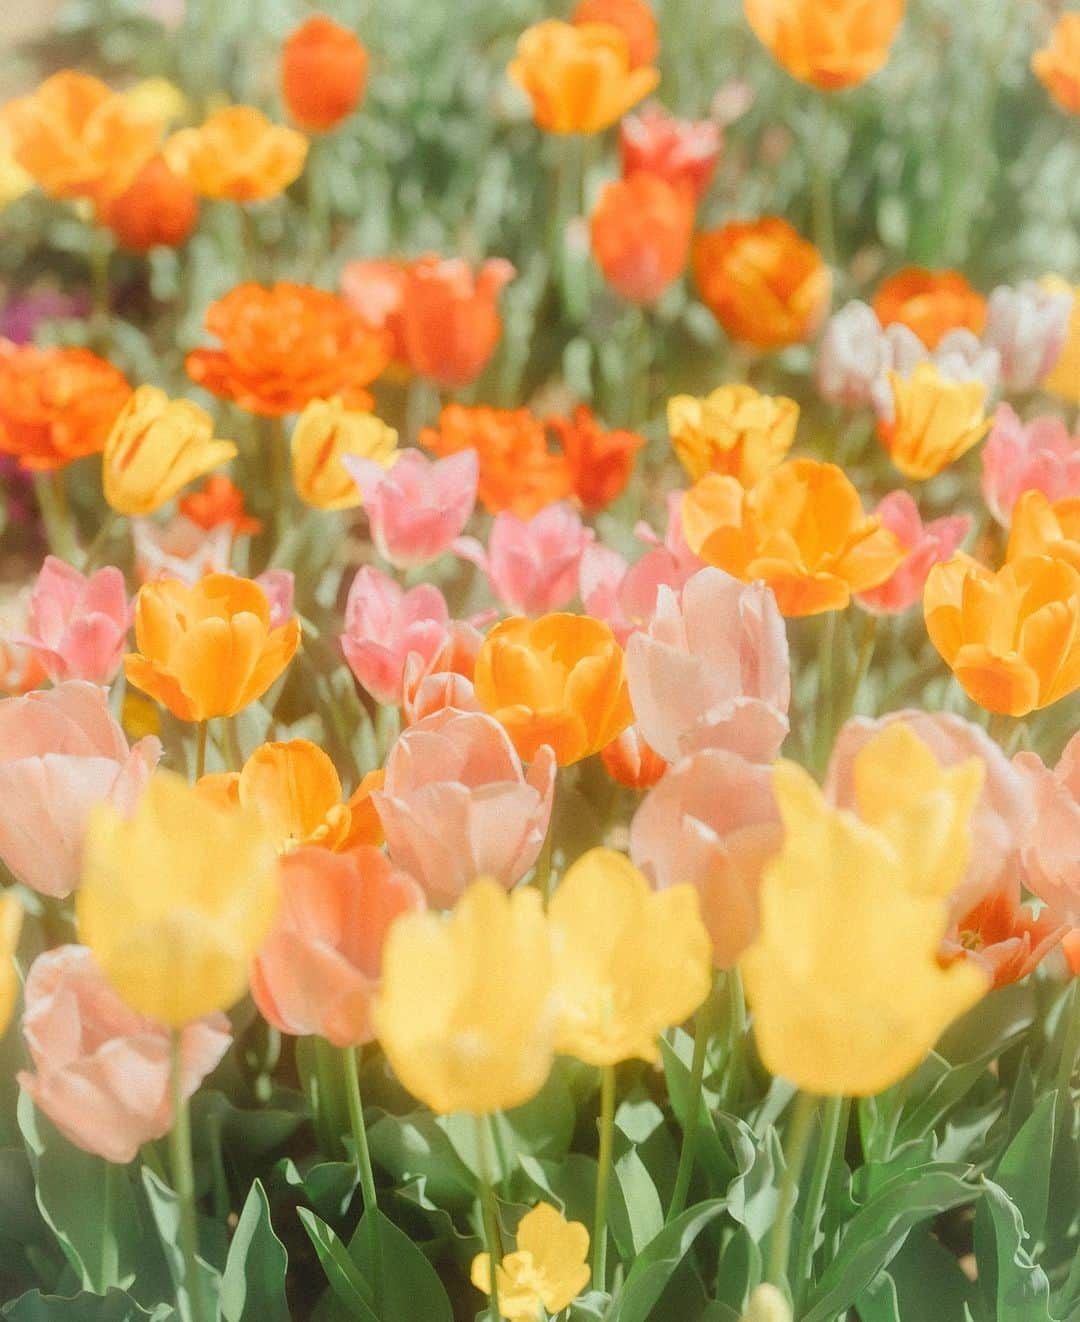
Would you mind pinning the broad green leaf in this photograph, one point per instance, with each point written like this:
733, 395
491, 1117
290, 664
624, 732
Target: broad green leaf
253, 1283
636, 1213
654, 1267
406, 1284
1014, 1286
1024, 1169
113, 1306
416, 1145
328, 1186
165, 1209
345, 1278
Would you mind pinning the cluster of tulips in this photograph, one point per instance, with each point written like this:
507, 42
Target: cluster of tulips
573, 820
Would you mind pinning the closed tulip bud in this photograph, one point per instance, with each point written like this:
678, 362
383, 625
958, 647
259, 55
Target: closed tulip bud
767, 1304
1027, 325
734, 430
1039, 455
324, 434
157, 446
179, 948
417, 506
323, 74
935, 421
449, 319
78, 623
532, 565
830, 46
640, 232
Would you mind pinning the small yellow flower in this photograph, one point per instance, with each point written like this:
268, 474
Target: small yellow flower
548, 1270
936, 421
629, 961
175, 900
734, 430
11, 916
324, 432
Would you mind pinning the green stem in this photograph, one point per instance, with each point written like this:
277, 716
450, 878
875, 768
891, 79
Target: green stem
183, 1176
821, 199
706, 1018
56, 516
867, 641
201, 729
603, 1175
798, 1140
101, 540
362, 1156
488, 1213
100, 253
833, 1116
738, 1030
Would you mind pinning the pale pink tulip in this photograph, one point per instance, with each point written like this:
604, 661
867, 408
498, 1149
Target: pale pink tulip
1000, 813
1028, 326
180, 549
712, 670
384, 624
61, 752
102, 1072
457, 804
1036, 456
531, 564
418, 506
927, 545
77, 624
1050, 839
445, 679
711, 821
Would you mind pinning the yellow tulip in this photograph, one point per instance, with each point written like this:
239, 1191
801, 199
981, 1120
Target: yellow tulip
157, 446
175, 900
734, 430
548, 1270
324, 432
466, 1012
936, 421
11, 916
629, 961
843, 977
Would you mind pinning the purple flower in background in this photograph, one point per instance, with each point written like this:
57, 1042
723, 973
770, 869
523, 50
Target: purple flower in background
20, 318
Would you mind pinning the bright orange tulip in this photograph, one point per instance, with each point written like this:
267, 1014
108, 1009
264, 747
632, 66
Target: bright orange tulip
323, 73
157, 208
600, 461
828, 43
930, 303
1057, 65
634, 19
641, 234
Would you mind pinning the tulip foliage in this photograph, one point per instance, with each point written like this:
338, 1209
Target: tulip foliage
540, 662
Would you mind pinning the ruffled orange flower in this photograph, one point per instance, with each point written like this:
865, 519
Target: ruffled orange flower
284, 346
802, 529
323, 73
1012, 639
219, 501
237, 155
579, 78
828, 43
1045, 527
765, 285
78, 138
601, 462
207, 650
634, 19
56, 405
1057, 65
640, 233
930, 303
517, 470
156, 208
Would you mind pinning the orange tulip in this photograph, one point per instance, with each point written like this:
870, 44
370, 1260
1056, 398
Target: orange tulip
579, 79
156, 208
828, 43
634, 19
207, 650
219, 502
641, 232
632, 762
930, 303
517, 471
78, 138
600, 461
323, 74
1012, 639
559, 680
56, 405
935, 421
449, 319
802, 529
1044, 527
285, 346
237, 155
764, 284
1057, 66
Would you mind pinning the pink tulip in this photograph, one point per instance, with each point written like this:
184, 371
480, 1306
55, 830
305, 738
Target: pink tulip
77, 623
457, 804
445, 679
180, 549
531, 564
1000, 813
280, 587
682, 151
384, 624
60, 753
711, 821
1050, 838
1028, 326
418, 506
927, 545
712, 670
102, 1072
1036, 456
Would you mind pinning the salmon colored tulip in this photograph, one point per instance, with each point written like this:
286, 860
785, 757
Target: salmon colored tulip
1012, 639
930, 303
461, 1026
1044, 527
157, 209
548, 1269
935, 421
1064, 378
631, 762
158, 445
830, 44
802, 529
237, 155
385, 625
1057, 64
711, 670
559, 680
734, 430
684, 152
634, 19
318, 970
445, 679
323, 74
457, 804
711, 822
926, 545
61, 752
11, 918
580, 79
324, 435
766, 286
1050, 838
532, 565
640, 231
1036, 456
450, 324
601, 462
209, 649
101, 1070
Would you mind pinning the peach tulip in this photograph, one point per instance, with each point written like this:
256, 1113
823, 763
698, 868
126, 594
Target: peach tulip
712, 670
318, 970
1050, 837
1039, 455
384, 624
61, 752
101, 1071
457, 804
532, 565
78, 623
927, 545
445, 679
711, 821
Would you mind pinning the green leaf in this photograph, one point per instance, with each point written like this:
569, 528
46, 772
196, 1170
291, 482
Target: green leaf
113, 1306
1014, 1286
408, 1286
416, 1145
253, 1283
345, 1278
656, 1264
1024, 1169
636, 1213
328, 1186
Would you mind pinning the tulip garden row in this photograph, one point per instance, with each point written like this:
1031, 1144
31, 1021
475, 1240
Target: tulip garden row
540, 648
